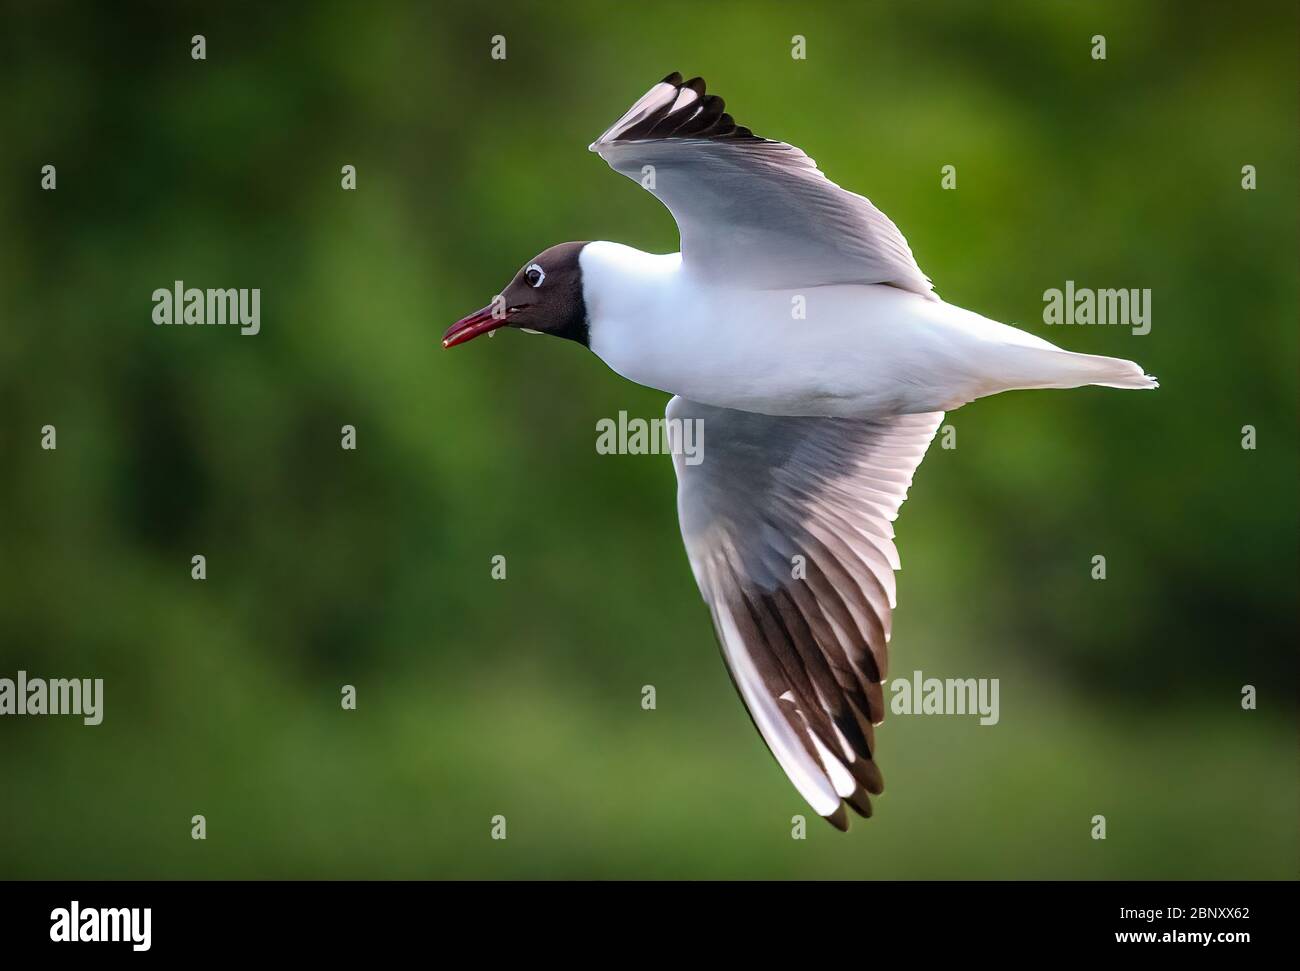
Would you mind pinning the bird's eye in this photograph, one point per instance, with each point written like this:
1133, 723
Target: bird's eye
534, 275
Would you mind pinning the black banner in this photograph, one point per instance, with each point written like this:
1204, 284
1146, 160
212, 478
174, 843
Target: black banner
333, 919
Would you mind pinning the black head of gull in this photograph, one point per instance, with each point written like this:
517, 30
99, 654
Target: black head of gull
545, 297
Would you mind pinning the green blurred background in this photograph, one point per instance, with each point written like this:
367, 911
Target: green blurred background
522, 698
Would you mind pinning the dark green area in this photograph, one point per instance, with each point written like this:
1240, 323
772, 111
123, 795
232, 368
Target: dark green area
522, 697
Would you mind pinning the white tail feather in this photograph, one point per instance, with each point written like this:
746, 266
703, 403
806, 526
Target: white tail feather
1109, 372
1055, 368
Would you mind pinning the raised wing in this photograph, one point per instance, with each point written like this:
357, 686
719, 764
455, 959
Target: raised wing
787, 523
751, 211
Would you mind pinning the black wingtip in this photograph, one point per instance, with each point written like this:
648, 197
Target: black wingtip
705, 118
860, 803
839, 819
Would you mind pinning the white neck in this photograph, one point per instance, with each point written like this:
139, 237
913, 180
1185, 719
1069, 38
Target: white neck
631, 299
617, 280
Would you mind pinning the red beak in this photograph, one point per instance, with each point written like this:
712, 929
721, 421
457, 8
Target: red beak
476, 324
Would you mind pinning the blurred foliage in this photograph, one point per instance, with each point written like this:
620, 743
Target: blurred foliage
522, 697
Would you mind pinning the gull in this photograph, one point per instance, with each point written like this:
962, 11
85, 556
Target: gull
797, 327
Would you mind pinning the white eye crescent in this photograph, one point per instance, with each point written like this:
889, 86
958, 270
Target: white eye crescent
535, 275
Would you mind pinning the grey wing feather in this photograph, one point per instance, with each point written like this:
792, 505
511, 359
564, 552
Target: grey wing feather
752, 211
788, 526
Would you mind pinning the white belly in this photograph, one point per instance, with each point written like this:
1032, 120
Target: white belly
849, 351
859, 352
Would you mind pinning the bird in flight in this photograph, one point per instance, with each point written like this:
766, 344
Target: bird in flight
797, 327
